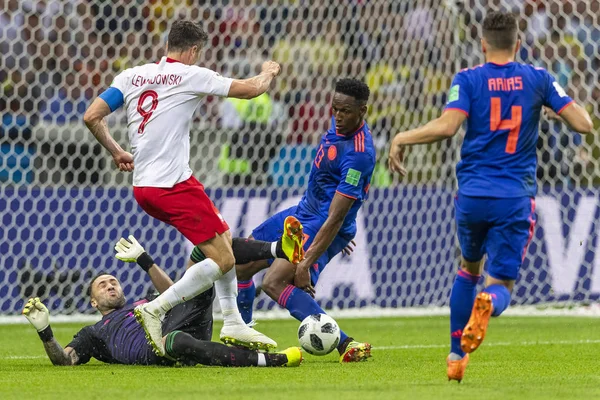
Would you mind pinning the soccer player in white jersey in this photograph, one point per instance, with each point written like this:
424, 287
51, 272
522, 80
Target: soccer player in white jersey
160, 100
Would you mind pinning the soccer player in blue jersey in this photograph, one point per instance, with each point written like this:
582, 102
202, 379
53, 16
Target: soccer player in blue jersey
118, 339
501, 101
338, 185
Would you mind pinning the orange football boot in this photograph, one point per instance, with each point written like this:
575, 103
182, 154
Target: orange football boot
456, 368
474, 331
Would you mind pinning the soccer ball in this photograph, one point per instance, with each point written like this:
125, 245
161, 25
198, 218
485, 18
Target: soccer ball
319, 334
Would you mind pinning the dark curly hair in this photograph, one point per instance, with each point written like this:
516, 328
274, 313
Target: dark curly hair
186, 34
500, 30
353, 88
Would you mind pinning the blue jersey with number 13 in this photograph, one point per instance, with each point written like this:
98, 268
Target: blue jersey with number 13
344, 164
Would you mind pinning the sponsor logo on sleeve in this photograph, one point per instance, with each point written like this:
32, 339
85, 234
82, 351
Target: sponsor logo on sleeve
353, 177
454, 93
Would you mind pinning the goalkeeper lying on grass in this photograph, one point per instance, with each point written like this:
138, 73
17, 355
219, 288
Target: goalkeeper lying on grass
118, 339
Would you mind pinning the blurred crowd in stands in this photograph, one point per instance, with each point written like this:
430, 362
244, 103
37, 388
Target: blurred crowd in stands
58, 55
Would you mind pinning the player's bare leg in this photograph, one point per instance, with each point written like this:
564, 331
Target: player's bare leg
234, 330
245, 272
279, 276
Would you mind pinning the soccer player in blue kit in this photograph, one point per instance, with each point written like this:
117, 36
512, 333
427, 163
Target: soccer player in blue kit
501, 101
338, 185
118, 339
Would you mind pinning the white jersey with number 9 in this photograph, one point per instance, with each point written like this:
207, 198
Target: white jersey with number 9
160, 100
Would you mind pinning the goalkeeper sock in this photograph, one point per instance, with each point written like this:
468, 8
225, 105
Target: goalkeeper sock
197, 279
462, 299
245, 299
300, 305
189, 350
226, 289
500, 298
184, 347
248, 250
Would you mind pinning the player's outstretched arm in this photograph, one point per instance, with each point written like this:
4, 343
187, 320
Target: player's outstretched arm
94, 120
340, 205
575, 116
440, 128
254, 87
131, 251
37, 314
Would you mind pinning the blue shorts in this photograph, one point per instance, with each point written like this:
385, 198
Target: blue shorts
272, 229
502, 228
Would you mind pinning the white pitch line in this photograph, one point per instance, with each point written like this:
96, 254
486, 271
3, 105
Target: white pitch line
492, 344
416, 346
22, 357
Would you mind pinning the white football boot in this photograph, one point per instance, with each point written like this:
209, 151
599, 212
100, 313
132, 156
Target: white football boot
237, 333
152, 326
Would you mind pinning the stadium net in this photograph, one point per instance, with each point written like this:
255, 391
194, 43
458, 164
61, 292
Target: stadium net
64, 205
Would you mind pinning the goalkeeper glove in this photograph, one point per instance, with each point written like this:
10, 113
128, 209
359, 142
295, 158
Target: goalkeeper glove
131, 251
37, 314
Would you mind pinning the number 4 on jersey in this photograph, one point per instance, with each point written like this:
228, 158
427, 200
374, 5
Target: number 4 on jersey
146, 113
513, 124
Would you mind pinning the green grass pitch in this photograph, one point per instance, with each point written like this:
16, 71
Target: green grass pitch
522, 358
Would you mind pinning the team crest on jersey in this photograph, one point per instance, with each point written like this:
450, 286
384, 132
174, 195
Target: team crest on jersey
332, 153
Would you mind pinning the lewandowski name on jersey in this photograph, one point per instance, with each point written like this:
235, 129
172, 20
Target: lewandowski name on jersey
160, 79
160, 100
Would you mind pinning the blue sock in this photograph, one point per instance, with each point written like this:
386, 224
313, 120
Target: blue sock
500, 298
301, 305
462, 299
245, 299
